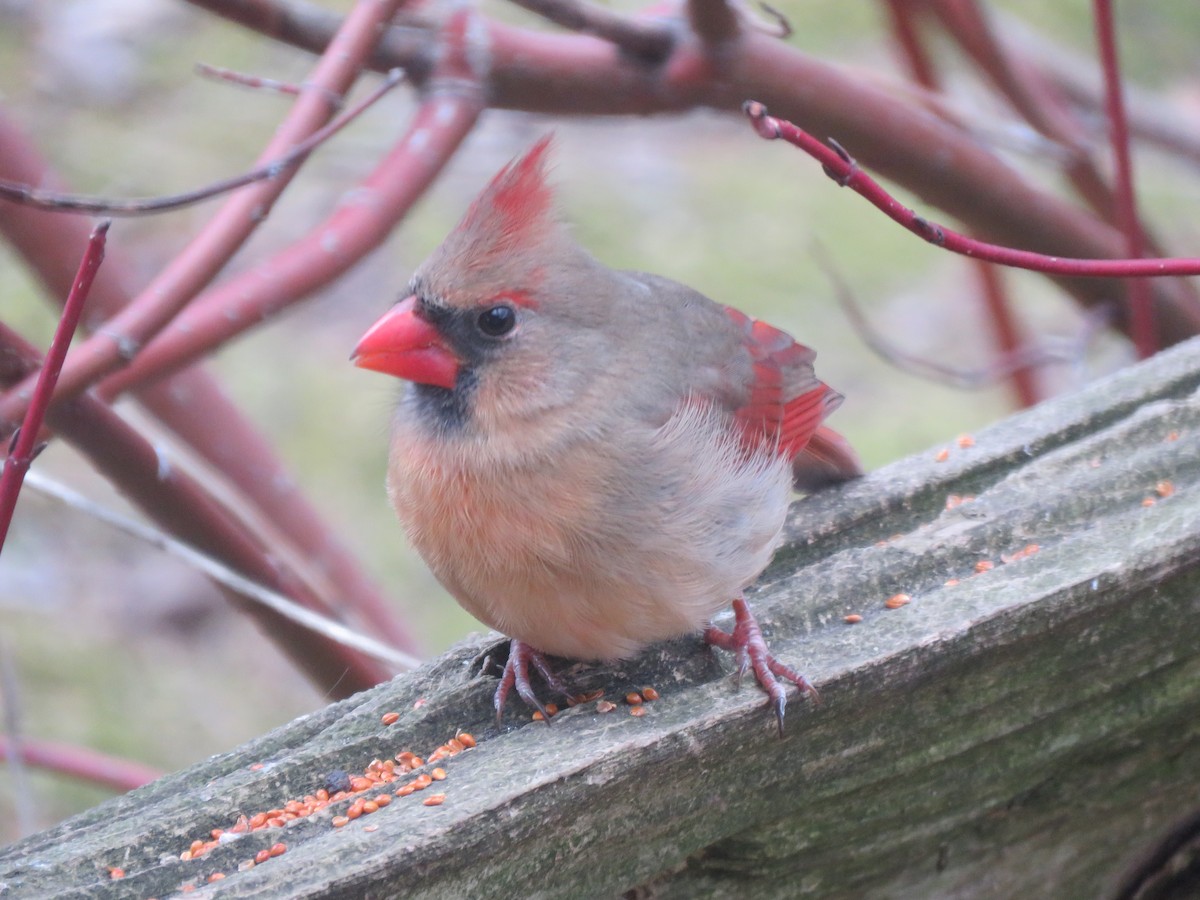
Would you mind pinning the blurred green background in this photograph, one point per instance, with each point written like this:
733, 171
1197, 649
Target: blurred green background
122, 649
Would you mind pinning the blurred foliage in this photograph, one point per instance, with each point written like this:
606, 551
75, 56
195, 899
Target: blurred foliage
698, 198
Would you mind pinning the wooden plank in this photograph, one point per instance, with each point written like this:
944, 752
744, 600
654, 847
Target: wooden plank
1028, 731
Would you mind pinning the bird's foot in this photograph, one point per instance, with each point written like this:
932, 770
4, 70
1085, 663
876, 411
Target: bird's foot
516, 674
747, 642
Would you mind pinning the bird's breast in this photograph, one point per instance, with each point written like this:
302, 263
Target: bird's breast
606, 547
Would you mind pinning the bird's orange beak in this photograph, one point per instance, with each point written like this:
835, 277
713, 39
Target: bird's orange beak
405, 345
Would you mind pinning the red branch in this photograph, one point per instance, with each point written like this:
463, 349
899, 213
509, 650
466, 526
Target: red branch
80, 762
442, 122
113, 346
1142, 319
24, 444
1006, 329
843, 170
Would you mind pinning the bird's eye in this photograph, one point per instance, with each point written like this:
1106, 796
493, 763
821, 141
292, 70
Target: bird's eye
497, 321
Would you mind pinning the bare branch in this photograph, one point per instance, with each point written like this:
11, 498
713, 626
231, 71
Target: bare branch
53, 201
24, 443
842, 169
222, 574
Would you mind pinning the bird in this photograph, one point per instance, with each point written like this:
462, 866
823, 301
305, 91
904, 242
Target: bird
591, 460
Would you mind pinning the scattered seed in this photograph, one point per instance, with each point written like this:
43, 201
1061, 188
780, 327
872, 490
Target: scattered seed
338, 822
853, 618
649, 694
965, 441
215, 876
263, 855
984, 565
371, 828
405, 790
116, 873
383, 799
435, 800
951, 582
537, 716
1172, 435
419, 702
897, 600
953, 500
1149, 501
278, 849
466, 740
370, 807
942, 455
1164, 488
390, 718
633, 698
605, 706
438, 774
256, 767
638, 711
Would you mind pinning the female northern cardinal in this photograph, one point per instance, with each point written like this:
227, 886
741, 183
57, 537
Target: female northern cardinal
591, 460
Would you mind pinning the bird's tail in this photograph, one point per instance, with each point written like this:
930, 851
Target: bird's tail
826, 460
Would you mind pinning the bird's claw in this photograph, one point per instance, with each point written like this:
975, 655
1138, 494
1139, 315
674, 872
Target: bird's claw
516, 674
751, 649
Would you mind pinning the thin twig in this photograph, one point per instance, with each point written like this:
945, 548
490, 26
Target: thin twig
24, 444
846, 173
1005, 326
222, 574
255, 82
1030, 355
1142, 324
52, 201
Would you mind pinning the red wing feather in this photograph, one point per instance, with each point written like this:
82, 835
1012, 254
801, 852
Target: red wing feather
784, 415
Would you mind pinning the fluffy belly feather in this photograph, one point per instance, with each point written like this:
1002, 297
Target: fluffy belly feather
577, 565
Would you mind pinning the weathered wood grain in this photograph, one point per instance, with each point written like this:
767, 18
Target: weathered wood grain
1027, 732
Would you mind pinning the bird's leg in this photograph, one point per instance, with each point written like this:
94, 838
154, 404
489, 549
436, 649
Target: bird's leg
747, 642
516, 673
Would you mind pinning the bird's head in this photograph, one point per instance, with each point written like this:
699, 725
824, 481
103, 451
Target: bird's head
481, 331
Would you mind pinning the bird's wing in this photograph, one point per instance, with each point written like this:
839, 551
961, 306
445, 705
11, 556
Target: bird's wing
786, 402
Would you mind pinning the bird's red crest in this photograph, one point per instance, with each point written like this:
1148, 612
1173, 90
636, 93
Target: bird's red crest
517, 203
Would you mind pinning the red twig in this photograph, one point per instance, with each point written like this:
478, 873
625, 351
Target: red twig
191, 403
80, 762
304, 267
111, 347
255, 82
24, 443
843, 170
1142, 320
1005, 327
901, 15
